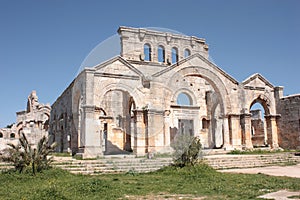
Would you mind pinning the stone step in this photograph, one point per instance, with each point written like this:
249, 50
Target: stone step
120, 164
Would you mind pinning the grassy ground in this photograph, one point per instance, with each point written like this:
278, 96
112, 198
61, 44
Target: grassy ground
201, 181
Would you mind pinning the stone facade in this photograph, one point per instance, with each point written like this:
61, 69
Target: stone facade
33, 122
162, 84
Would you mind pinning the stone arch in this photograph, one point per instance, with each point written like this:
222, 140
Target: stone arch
122, 87
264, 101
212, 78
221, 103
268, 136
119, 125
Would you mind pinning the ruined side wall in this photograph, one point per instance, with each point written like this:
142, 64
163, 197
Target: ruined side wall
289, 123
61, 118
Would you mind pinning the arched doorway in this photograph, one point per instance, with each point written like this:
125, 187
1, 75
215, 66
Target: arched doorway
197, 109
270, 138
118, 124
258, 125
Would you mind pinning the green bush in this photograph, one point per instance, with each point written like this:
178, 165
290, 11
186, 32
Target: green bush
23, 156
187, 150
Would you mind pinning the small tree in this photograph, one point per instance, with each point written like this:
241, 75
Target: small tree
187, 150
23, 155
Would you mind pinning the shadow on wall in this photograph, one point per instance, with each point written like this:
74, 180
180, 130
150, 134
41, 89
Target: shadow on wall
112, 149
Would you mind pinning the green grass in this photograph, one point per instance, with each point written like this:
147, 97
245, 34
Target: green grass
261, 151
200, 181
254, 151
60, 154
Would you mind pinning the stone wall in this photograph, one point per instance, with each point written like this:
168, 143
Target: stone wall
289, 122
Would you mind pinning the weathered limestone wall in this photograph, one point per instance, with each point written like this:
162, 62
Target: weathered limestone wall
61, 121
289, 123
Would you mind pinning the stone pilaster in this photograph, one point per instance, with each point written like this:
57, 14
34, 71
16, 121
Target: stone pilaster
91, 140
226, 138
167, 139
272, 134
140, 138
155, 130
235, 131
246, 130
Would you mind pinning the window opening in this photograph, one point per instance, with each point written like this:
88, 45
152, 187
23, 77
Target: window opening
174, 55
187, 53
161, 54
147, 52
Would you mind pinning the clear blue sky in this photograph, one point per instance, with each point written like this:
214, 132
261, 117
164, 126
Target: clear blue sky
43, 43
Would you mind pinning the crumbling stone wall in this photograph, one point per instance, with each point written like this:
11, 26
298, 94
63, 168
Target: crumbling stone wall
33, 122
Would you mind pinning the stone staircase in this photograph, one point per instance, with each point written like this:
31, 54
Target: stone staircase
111, 164
131, 164
227, 161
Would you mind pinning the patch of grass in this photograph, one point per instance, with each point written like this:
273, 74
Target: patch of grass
198, 181
65, 154
294, 197
77, 157
262, 151
254, 151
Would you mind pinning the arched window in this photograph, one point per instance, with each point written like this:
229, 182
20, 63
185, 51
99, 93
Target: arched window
174, 55
147, 52
184, 99
187, 53
161, 54
1, 135
12, 135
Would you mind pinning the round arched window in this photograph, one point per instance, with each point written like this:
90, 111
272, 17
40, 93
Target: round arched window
161, 54
184, 99
174, 55
147, 52
187, 53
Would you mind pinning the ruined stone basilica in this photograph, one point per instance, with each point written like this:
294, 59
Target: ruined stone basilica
163, 84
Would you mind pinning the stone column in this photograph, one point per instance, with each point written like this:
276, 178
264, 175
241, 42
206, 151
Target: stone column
226, 138
91, 140
272, 134
246, 130
236, 136
167, 128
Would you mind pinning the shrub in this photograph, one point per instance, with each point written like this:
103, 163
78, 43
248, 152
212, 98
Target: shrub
23, 155
187, 150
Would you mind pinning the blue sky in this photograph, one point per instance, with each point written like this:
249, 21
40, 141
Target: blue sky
43, 43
